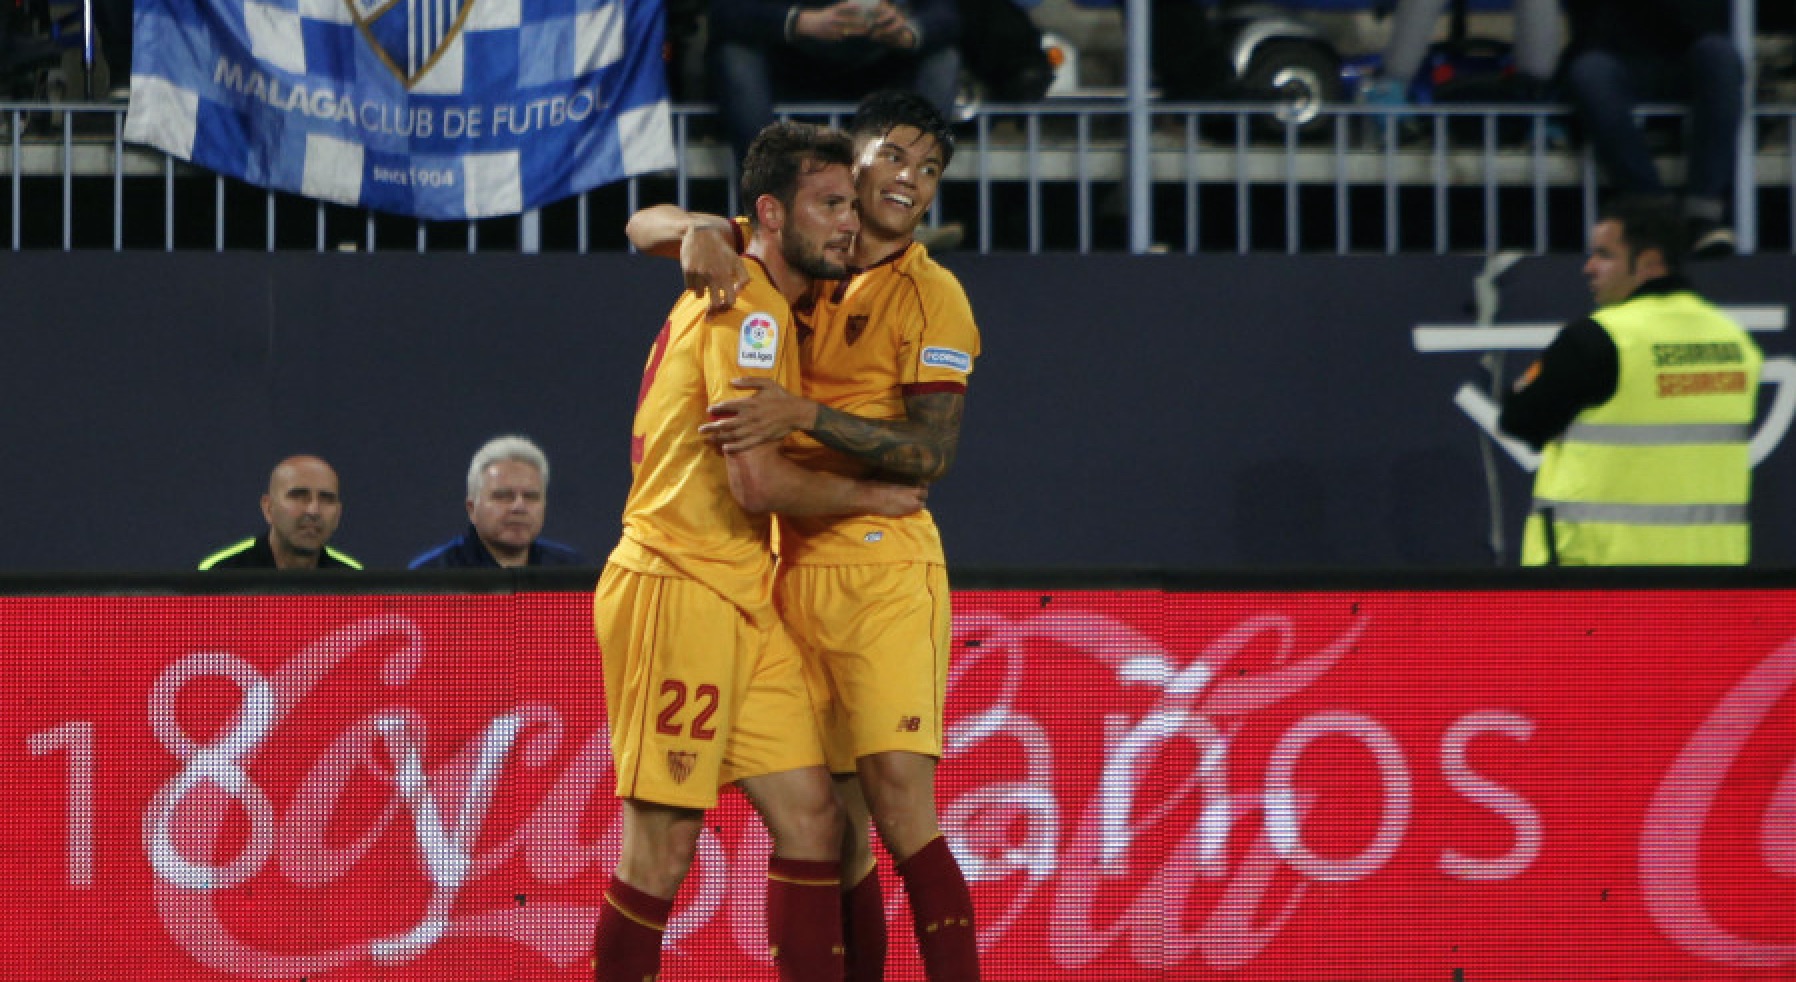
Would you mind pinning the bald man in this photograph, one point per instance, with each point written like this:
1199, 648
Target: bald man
302, 506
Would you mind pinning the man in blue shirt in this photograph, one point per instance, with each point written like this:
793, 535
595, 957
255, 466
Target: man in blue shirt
508, 485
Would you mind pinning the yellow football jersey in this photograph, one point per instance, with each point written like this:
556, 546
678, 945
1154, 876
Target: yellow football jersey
680, 517
901, 327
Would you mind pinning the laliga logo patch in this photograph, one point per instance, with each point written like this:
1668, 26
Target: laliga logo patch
410, 36
760, 341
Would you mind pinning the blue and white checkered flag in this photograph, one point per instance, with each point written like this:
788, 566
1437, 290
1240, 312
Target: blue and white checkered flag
433, 108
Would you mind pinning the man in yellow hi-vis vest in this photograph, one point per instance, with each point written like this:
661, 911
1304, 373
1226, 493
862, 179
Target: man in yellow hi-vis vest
1643, 411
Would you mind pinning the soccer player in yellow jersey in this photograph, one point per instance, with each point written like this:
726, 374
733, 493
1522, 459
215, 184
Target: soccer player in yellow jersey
884, 365
702, 685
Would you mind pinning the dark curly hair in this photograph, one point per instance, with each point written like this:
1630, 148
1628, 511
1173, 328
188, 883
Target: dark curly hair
783, 152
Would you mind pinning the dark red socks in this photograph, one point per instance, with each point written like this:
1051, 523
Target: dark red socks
804, 919
943, 912
864, 929
626, 946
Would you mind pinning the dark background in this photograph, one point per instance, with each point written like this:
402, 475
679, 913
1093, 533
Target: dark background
1162, 411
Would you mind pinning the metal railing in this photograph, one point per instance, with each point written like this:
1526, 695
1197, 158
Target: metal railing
1046, 177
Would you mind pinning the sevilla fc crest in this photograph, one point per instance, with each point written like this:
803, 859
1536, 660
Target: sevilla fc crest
679, 764
410, 35
856, 326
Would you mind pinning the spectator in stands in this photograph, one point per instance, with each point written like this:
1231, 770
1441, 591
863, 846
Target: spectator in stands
767, 51
1538, 39
302, 507
20, 49
508, 496
1624, 52
112, 18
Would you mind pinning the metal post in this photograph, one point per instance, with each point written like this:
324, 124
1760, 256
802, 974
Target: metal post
118, 182
1746, 215
1033, 128
87, 50
68, 181
530, 232
18, 167
582, 231
1084, 148
1141, 219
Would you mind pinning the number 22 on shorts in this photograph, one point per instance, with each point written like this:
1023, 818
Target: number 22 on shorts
673, 697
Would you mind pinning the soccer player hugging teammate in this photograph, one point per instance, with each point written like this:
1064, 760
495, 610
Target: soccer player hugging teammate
702, 684
885, 356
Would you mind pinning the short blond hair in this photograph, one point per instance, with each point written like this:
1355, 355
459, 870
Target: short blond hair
509, 447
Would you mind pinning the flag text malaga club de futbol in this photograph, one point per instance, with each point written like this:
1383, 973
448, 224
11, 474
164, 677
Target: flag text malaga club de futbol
442, 109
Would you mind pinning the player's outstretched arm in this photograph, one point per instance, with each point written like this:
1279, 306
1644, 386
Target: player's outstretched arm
704, 244
659, 229
763, 481
920, 447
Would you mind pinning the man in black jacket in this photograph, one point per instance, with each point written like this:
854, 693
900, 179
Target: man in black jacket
1624, 52
302, 506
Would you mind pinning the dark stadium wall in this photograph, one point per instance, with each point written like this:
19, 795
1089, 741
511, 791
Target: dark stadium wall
1167, 411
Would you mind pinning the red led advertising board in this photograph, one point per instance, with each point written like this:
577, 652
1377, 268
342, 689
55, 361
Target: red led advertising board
1329, 785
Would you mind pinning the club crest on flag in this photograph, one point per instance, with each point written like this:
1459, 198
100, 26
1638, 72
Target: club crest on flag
410, 36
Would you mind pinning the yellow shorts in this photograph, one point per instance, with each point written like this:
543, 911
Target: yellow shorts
696, 695
875, 639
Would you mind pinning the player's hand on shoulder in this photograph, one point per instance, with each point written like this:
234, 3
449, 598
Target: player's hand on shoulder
712, 268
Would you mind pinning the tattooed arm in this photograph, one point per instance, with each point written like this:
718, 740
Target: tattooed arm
920, 447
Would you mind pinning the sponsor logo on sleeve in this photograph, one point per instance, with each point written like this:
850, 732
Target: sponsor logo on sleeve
959, 361
760, 342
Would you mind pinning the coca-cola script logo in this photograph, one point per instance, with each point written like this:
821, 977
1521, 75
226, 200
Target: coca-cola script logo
447, 808
1121, 803
1672, 839
1253, 889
